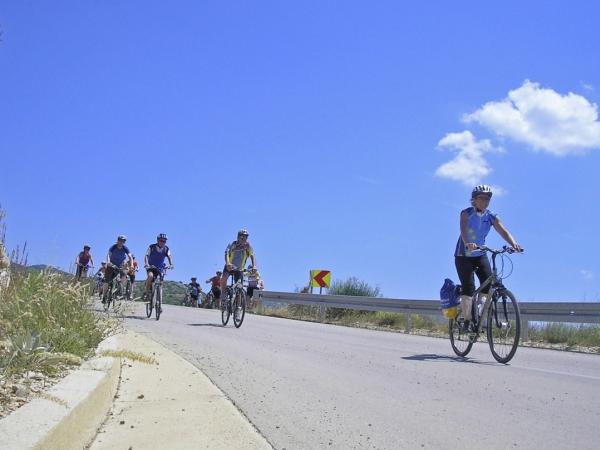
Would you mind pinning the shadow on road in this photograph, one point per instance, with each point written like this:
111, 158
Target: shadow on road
137, 317
204, 325
434, 357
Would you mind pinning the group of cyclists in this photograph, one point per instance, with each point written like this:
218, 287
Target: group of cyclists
120, 262
475, 224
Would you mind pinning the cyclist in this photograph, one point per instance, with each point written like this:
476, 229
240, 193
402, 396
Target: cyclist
254, 282
117, 261
194, 290
236, 255
475, 224
154, 261
131, 273
101, 270
216, 287
83, 262
99, 276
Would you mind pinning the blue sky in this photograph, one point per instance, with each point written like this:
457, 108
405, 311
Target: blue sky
343, 135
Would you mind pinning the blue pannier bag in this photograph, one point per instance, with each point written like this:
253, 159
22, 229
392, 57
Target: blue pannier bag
449, 295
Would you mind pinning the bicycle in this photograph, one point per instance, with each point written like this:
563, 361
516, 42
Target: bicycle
115, 289
98, 286
500, 314
155, 302
233, 301
81, 272
127, 288
209, 300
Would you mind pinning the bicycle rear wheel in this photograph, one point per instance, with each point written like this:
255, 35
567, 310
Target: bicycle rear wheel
239, 308
503, 326
225, 307
158, 303
459, 339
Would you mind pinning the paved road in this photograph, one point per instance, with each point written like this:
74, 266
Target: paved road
315, 386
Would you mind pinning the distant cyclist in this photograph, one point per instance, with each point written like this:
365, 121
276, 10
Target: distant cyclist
255, 282
236, 255
216, 287
82, 262
475, 224
118, 261
194, 290
134, 267
101, 271
154, 261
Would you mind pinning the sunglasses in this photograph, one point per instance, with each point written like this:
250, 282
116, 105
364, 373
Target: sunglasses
162, 240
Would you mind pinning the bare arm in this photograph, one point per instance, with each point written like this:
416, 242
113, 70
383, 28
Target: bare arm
502, 231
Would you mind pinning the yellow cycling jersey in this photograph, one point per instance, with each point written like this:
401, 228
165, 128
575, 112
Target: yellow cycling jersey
237, 253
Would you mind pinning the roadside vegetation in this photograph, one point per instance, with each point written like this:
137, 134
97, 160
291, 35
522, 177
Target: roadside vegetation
46, 322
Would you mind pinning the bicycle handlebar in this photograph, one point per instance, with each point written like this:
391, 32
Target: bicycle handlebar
163, 270
505, 249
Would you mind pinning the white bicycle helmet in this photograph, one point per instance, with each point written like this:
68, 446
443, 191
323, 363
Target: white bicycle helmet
481, 189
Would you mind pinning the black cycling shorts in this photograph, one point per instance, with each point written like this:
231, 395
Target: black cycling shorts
111, 273
237, 274
467, 266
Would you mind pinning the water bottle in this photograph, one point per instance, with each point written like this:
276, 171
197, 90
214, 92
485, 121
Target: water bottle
480, 305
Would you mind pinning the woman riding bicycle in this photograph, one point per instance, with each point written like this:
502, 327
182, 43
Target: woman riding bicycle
475, 224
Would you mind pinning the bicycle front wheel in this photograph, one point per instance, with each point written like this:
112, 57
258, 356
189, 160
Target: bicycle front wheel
459, 338
239, 308
149, 303
106, 300
158, 303
225, 308
503, 326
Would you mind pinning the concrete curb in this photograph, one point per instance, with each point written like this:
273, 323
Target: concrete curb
85, 397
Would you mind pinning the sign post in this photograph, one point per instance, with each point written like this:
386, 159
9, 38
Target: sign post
321, 279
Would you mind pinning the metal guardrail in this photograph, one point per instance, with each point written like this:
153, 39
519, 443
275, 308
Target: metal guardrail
570, 312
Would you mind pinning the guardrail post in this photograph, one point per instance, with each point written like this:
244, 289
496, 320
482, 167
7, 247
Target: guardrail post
322, 313
525, 329
408, 323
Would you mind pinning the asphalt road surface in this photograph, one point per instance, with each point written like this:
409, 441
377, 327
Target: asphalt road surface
314, 386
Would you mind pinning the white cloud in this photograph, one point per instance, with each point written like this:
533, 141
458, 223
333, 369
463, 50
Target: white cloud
367, 180
543, 119
469, 165
587, 274
588, 87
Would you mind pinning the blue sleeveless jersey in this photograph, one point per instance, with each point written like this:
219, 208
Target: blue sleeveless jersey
156, 255
478, 227
118, 255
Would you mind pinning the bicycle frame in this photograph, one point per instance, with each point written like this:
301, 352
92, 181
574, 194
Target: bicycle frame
495, 284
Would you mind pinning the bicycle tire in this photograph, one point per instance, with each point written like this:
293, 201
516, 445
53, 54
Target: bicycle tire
106, 302
149, 303
239, 308
128, 290
158, 304
225, 308
459, 340
503, 326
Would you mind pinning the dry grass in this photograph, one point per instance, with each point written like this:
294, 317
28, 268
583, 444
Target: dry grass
46, 321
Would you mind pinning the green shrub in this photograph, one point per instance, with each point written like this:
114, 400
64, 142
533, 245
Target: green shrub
354, 287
